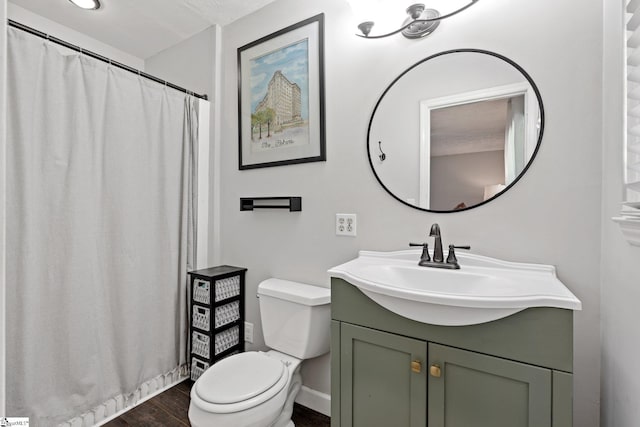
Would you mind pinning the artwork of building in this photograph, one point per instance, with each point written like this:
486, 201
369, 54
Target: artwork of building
284, 98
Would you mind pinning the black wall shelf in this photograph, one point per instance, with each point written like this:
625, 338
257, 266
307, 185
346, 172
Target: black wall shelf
294, 204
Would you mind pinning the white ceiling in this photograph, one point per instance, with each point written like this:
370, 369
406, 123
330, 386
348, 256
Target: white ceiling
469, 128
143, 27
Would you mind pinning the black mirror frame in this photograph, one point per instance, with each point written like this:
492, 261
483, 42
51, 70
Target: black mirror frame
508, 187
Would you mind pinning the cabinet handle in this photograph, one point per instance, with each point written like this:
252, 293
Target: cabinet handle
435, 371
416, 366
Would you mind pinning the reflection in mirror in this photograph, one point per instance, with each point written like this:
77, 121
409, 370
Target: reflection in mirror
457, 128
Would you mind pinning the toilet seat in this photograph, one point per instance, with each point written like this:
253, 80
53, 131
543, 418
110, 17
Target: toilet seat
241, 382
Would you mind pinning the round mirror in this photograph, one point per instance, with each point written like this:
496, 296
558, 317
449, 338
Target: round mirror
455, 130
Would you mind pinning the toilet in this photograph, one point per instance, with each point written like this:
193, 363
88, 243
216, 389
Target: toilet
255, 388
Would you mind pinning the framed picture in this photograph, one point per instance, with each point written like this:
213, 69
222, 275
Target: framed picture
281, 116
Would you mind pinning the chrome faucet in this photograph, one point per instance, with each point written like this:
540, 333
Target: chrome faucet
438, 256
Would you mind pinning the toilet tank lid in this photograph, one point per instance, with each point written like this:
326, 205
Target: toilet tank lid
300, 293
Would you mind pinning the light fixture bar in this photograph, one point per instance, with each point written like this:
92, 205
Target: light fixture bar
87, 4
369, 24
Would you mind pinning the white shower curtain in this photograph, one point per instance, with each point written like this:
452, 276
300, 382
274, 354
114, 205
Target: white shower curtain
100, 225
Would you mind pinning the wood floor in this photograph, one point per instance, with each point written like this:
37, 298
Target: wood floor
171, 407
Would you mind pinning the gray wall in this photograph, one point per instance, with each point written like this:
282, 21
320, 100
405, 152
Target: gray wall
620, 261
188, 64
461, 178
551, 216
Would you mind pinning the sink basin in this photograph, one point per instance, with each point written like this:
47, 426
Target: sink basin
483, 290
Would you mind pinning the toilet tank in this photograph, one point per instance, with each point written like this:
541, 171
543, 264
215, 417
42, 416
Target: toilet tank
296, 317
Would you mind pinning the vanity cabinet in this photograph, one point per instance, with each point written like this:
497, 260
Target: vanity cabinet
379, 387
494, 392
388, 370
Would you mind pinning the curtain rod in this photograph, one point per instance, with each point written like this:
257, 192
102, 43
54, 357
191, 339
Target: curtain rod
101, 58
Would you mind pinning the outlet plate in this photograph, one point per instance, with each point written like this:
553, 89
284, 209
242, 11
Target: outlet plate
346, 224
248, 332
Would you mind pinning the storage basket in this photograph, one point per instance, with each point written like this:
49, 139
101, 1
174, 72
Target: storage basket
200, 344
201, 316
227, 339
227, 313
227, 287
197, 368
201, 291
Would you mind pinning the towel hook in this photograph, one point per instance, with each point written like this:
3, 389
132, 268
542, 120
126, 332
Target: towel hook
381, 155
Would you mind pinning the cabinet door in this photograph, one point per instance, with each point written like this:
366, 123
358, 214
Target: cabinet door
472, 389
383, 379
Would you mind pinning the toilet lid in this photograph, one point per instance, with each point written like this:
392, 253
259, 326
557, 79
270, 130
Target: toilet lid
239, 378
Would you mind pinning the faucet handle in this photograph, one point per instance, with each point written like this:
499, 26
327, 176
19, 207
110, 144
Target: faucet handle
425, 251
451, 258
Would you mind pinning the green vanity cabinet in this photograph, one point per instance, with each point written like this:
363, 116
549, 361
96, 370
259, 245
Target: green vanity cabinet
477, 390
388, 370
373, 363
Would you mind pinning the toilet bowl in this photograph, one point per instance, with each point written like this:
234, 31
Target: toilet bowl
258, 389
249, 389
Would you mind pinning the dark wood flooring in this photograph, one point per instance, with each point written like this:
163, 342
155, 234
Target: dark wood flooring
171, 407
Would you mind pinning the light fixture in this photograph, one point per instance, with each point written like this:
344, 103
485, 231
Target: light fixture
419, 23
87, 4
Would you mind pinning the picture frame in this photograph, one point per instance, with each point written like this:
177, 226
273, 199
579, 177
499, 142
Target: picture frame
281, 111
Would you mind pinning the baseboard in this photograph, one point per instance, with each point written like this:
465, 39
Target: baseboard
313, 399
139, 402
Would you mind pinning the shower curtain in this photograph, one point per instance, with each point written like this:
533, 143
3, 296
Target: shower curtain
100, 231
